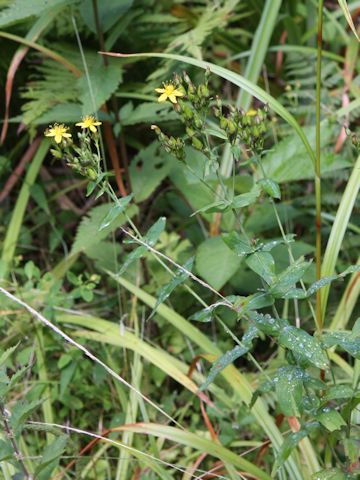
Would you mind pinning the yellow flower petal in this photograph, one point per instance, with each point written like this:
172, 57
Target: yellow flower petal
160, 90
92, 128
162, 97
172, 98
58, 138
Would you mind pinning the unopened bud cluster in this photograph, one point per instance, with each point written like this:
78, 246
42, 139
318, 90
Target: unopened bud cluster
172, 145
248, 128
194, 109
194, 104
80, 158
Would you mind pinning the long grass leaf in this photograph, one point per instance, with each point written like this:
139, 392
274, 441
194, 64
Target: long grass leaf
13, 230
338, 230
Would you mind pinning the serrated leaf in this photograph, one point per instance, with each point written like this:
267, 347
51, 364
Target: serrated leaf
229, 357
148, 169
299, 341
109, 12
104, 81
18, 375
50, 457
88, 233
6, 450
237, 243
263, 264
179, 278
7, 354
289, 390
270, 187
21, 412
330, 419
23, 9
115, 211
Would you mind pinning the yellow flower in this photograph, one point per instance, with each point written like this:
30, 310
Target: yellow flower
89, 122
58, 132
252, 112
168, 92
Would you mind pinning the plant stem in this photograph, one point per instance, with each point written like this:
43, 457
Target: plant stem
318, 164
11, 437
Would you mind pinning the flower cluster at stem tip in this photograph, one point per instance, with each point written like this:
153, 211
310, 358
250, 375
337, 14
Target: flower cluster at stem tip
80, 157
60, 131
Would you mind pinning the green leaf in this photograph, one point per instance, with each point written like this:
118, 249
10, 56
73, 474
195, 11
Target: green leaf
6, 450
150, 239
237, 243
50, 457
148, 169
329, 474
289, 390
290, 442
330, 419
109, 11
23, 9
253, 302
229, 357
266, 323
179, 278
148, 113
270, 187
263, 264
104, 81
304, 345
215, 262
288, 161
115, 211
88, 233
4, 356
21, 412
206, 314
348, 17
245, 199
38, 194
344, 340
336, 392
287, 279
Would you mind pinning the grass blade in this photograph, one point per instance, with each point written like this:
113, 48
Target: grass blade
338, 230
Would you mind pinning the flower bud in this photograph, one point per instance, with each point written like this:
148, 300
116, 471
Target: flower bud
196, 143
